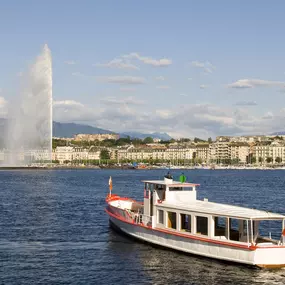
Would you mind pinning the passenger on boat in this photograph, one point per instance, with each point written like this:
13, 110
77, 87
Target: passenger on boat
182, 178
168, 175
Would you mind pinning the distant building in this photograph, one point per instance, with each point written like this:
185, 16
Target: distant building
239, 151
93, 137
203, 152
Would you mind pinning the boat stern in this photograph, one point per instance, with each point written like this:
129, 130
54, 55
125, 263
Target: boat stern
270, 257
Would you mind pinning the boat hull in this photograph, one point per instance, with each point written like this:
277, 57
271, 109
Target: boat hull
240, 254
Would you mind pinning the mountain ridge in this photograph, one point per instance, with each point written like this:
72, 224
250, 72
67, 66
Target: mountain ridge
69, 130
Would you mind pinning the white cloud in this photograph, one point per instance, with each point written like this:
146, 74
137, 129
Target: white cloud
163, 87
189, 78
67, 103
128, 100
73, 111
187, 120
268, 116
70, 62
122, 79
127, 89
164, 114
205, 66
118, 63
251, 83
246, 103
2, 101
3, 107
149, 60
160, 78
184, 95
203, 86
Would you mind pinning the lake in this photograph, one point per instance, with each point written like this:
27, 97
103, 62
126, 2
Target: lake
53, 228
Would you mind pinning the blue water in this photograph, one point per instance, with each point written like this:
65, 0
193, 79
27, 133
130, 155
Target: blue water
53, 228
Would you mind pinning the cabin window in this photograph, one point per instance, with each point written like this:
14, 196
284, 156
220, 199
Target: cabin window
171, 223
175, 188
267, 229
202, 225
220, 226
160, 214
160, 187
234, 229
185, 222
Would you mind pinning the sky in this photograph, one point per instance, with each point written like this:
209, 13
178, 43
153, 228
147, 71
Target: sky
188, 68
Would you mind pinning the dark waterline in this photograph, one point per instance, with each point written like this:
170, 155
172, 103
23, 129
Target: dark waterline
53, 228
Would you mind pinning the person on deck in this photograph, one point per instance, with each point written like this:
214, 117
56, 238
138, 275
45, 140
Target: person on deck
182, 178
168, 175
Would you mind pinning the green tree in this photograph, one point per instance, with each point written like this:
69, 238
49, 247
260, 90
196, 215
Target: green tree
123, 141
210, 140
278, 159
148, 140
235, 161
278, 138
137, 141
250, 159
260, 159
184, 140
269, 159
196, 140
104, 154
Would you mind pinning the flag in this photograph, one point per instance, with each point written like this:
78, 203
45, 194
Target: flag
110, 184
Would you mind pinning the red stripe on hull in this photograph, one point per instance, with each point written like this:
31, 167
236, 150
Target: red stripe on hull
130, 221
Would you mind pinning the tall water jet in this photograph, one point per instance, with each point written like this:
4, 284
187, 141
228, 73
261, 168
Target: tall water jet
28, 138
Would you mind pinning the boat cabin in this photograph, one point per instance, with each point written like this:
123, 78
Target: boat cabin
173, 206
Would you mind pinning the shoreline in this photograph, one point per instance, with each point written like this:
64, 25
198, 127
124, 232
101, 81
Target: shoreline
136, 168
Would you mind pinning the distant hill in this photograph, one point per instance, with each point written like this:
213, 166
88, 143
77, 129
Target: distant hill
69, 130
278, 134
162, 136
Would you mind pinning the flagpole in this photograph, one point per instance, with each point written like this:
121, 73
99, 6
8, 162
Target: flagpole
110, 186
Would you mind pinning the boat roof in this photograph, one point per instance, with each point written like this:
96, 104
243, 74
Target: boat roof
223, 210
172, 184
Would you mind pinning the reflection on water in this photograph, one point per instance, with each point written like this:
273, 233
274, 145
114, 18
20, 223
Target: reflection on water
163, 266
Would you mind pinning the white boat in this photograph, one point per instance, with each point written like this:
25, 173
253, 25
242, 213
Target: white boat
172, 217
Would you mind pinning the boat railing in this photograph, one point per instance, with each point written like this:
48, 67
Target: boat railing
147, 220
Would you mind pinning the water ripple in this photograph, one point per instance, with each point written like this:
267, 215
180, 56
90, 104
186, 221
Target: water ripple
54, 229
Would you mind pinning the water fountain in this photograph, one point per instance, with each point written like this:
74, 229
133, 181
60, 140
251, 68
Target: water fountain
28, 134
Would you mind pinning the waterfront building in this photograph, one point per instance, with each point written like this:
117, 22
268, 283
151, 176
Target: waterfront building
266, 152
203, 152
121, 152
239, 151
220, 151
80, 154
63, 153
177, 153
